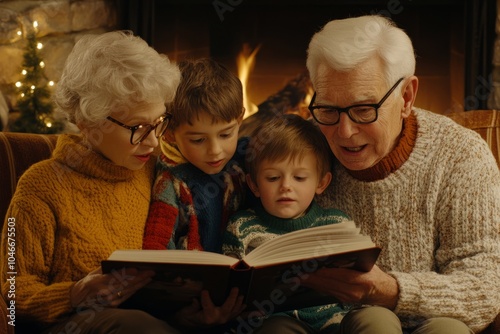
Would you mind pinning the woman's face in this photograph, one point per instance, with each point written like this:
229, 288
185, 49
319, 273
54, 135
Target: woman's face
361, 146
113, 140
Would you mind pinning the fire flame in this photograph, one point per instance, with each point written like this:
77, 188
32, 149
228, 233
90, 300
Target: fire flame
304, 105
245, 63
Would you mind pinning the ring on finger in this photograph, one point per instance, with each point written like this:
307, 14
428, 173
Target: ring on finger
119, 294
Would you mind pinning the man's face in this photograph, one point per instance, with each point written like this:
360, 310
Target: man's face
361, 146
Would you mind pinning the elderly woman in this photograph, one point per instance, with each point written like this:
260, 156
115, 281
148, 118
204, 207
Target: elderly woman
424, 188
92, 196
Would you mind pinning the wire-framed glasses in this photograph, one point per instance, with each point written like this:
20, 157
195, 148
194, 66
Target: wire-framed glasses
358, 113
141, 131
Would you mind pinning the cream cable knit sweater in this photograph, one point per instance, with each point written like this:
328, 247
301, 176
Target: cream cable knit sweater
437, 219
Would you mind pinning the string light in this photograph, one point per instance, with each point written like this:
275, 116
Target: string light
33, 101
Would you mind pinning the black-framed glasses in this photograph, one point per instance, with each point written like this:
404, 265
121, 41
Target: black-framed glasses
358, 113
141, 131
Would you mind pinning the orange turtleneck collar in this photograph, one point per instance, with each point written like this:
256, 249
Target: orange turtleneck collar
396, 158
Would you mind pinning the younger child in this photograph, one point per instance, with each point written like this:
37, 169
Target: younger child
200, 181
288, 163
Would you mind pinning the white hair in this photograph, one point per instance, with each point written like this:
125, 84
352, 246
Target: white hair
114, 71
343, 44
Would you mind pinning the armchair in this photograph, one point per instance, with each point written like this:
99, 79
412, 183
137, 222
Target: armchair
484, 122
19, 151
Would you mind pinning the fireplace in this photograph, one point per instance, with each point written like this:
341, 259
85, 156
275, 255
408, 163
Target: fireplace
221, 28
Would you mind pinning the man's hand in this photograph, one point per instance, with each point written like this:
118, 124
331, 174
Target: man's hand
351, 286
204, 313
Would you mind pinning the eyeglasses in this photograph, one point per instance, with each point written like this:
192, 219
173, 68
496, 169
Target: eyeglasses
358, 113
141, 131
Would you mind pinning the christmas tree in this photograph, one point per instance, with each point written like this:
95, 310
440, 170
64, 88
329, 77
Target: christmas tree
34, 104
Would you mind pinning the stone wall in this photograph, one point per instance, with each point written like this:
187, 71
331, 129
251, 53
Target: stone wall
60, 23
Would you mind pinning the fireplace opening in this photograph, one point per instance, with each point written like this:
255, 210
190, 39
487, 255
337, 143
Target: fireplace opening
439, 29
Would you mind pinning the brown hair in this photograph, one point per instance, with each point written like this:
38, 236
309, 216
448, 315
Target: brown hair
287, 137
206, 86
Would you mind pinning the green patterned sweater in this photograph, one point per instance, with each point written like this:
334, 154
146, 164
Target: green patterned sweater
250, 228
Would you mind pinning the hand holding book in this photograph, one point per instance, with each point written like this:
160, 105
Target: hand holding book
350, 286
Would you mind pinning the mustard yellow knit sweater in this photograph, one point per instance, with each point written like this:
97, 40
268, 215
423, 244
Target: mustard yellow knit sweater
70, 212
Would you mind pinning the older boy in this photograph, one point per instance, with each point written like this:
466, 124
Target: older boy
200, 182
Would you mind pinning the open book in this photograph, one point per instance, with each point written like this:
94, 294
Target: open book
269, 277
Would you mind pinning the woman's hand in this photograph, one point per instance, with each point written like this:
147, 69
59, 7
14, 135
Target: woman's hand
204, 313
108, 289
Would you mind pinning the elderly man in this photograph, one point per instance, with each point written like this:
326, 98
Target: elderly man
424, 188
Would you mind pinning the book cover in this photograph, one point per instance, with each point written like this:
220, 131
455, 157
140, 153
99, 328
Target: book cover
269, 277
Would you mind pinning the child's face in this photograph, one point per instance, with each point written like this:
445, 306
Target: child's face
209, 146
286, 188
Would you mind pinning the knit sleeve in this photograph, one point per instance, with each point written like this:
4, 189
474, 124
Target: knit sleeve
163, 213
465, 282
36, 299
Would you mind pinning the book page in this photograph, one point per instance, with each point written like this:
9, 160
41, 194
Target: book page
171, 256
308, 243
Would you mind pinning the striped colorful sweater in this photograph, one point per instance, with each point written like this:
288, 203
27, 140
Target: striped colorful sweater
433, 205
189, 208
250, 228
